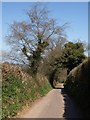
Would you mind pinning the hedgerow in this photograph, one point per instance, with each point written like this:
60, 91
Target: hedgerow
78, 84
17, 92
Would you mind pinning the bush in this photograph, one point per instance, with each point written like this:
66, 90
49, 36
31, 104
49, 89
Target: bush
78, 84
16, 92
14, 95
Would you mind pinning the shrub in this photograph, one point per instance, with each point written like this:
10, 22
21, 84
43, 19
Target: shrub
14, 95
78, 84
17, 92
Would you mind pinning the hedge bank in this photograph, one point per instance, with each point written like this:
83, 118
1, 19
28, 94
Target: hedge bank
78, 85
20, 89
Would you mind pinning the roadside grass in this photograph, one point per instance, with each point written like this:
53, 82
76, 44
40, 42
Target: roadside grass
17, 93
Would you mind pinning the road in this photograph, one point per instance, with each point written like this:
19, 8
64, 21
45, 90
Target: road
56, 104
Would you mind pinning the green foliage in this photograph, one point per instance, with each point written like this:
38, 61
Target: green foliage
77, 85
44, 90
16, 94
73, 54
69, 56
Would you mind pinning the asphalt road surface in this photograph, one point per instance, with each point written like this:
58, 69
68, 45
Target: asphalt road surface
56, 104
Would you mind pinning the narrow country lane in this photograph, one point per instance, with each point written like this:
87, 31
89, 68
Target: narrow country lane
56, 104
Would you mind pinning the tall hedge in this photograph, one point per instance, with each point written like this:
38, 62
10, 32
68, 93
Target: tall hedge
78, 84
19, 89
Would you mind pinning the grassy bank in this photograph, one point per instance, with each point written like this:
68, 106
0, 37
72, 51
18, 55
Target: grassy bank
20, 89
78, 84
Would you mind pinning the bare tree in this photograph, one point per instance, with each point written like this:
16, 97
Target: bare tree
31, 38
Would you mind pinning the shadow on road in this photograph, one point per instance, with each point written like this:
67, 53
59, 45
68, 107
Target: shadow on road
71, 109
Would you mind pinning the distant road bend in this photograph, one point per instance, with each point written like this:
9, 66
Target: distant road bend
56, 104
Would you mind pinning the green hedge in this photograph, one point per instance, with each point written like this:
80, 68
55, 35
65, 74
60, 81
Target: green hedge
16, 94
78, 84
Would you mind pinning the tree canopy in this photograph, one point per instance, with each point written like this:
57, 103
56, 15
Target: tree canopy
41, 43
73, 55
